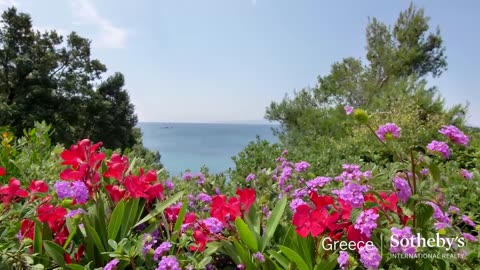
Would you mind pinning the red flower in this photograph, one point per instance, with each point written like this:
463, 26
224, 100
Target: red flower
311, 221
155, 192
27, 228
247, 198
356, 236
54, 216
116, 193
138, 185
320, 201
116, 167
38, 186
171, 213
201, 240
223, 210
7, 193
2, 171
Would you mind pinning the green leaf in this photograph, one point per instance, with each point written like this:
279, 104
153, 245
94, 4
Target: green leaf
160, 207
116, 220
100, 224
295, 258
37, 235
354, 214
247, 237
75, 266
244, 255
423, 212
280, 259
91, 233
179, 222
434, 171
330, 264
55, 252
130, 212
273, 222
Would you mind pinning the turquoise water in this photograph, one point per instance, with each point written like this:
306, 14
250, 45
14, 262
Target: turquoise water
190, 146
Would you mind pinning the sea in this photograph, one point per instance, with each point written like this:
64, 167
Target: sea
190, 146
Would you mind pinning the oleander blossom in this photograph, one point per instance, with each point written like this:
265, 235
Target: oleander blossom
302, 166
169, 263
111, 265
439, 147
466, 174
343, 260
251, 177
366, 222
454, 134
213, 225
404, 241
388, 131
259, 257
352, 193
404, 191
161, 250
370, 257
348, 109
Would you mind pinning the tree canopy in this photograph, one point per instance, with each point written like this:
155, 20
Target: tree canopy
45, 76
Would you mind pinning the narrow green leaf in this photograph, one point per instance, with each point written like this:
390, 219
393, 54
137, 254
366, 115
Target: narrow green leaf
273, 222
247, 237
434, 171
131, 209
100, 224
279, 258
116, 220
75, 266
295, 258
160, 207
55, 252
91, 233
179, 222
37, 235
244, 255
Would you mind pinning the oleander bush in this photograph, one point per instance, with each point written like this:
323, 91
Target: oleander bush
86, 207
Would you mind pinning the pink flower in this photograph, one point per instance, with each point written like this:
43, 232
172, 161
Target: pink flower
466, 174
454, 134
389, 130
348, 109
439, 147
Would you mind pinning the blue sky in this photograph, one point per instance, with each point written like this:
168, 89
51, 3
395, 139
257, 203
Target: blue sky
226, 60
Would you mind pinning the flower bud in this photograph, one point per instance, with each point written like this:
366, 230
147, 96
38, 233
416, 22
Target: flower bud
67, 203
361, 116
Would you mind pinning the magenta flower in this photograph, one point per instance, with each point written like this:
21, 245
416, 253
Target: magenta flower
80, 191
370, 257
468, 221
348, 109
259, 257
169, 263
387, 131
301, 166
439, 147
454, 134
161, 250
250, 177
404, 191
466, 174
402, 235
352, 193
63, 189
213, 225
343, 260
366, 222
111, 265
469, 237
453, 209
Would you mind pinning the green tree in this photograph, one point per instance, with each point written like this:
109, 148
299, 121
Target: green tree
46, 77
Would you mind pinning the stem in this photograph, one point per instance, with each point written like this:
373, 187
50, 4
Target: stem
384, 144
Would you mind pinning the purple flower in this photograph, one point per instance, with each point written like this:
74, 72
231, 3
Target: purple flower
352, 193
350, 172
241, 266
369, 257
80, 191
286, 173
454, 134
296, 203
453, 209
348, 109
200, 178
424, 171
187, 176
468, 221
259, 257
301, 166
63, 189
403, 241
111, 265
217, 191
388, 131
203, 197
366, 222
466, 174
299, 193
161, 250
148, 242
343, 260
319, 181
438, 214
169, 185
168, 263
441, 225
469, 237
251, 177
403, 188
213, 225
75, 212
439, 147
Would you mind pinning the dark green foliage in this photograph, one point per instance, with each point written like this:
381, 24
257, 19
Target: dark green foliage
44, 77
